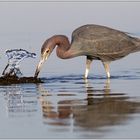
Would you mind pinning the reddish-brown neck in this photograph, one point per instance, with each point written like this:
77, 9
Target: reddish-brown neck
63, 49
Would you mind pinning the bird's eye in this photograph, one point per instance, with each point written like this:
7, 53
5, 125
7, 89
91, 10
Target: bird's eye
47, 51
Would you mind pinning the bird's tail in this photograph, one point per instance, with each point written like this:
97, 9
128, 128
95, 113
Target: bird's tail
137, 45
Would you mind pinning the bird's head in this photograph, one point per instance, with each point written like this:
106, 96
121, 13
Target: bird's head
46, 50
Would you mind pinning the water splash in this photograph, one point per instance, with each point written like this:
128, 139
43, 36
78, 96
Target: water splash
15, 56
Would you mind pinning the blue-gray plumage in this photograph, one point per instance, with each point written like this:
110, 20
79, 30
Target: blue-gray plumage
94, 41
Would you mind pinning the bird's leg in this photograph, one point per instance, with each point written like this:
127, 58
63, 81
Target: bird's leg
107, 69
88, 63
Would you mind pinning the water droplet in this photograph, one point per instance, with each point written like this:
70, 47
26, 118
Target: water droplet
15, 56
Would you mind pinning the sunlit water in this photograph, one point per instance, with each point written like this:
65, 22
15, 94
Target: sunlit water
69, 107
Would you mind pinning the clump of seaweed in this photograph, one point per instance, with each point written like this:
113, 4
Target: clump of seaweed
11, 73
14, 79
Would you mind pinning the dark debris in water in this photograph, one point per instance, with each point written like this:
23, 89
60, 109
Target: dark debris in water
13, 79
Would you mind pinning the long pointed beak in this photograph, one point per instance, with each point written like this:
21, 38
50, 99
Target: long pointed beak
39, 66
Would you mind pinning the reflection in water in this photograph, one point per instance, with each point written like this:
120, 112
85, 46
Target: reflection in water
104, 109
98, 109
54, 112
81, 108
18, 102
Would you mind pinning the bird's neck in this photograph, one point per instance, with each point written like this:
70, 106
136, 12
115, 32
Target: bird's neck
63, 50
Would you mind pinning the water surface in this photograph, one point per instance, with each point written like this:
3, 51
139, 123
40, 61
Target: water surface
66, 106
69, 107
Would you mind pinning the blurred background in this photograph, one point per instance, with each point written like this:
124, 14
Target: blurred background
27, 25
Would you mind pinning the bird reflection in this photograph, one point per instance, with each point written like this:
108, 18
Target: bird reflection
98, 108
104, 108
19, 104
52, 112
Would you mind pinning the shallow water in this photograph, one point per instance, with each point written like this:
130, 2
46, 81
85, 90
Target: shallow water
69, 107
66, 106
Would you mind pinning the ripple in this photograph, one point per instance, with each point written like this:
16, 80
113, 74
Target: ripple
126, 75
66, 94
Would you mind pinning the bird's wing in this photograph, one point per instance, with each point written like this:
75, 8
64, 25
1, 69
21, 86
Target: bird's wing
100, 41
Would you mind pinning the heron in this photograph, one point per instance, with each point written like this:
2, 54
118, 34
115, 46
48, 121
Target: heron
15, 56
96, 42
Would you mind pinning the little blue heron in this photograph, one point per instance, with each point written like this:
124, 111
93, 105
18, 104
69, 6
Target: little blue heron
96, 42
